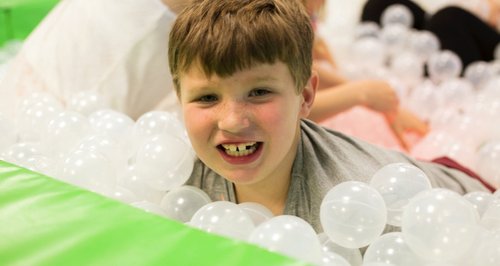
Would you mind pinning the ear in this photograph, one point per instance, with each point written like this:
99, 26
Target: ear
308, 94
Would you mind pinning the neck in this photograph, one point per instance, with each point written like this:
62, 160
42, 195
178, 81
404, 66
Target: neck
273, 196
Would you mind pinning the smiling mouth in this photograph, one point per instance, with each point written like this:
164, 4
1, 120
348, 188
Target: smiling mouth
239, 150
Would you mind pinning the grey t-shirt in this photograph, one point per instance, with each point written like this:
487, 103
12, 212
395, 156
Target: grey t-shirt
326, 158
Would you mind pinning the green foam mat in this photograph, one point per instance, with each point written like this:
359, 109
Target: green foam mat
44, 221
18, 18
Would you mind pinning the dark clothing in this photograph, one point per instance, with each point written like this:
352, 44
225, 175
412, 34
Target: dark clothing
457, 29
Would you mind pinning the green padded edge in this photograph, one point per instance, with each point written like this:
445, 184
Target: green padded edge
44, 221
18, 18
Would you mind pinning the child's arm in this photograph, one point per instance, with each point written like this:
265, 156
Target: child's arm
374, 94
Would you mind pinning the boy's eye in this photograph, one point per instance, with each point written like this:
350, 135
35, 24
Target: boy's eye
259, 92
207, 98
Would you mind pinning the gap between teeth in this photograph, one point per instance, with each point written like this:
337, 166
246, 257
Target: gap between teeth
240, 149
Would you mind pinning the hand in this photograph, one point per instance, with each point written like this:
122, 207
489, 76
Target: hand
404, 121
379, 96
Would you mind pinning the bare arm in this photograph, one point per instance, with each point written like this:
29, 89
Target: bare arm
374, 94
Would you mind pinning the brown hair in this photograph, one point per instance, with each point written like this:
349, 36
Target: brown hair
226, 36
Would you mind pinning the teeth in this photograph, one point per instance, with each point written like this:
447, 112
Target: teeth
242, 149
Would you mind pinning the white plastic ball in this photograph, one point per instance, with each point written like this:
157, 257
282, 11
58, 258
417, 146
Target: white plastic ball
439, 224
397, 14
444, 65
258, 212
353, 214
183, 202
398, 183
392, 249
223, 218
289, 235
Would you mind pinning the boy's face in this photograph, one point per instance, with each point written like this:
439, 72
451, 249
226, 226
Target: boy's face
245, 127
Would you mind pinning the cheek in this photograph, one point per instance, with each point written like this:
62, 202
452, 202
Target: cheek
196, 123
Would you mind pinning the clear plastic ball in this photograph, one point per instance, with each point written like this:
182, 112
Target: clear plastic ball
488, 162
289, 235
183, 202
479, 74
366, 30
395, 37
332, 259
115, 124
392, 249
223, 218
397, 14
352, 255
369, 52
439, 224
444, 65
165, 161
424, 44
87, 102
398, 183
65, 131
491, 216
258, 212
479, 200
353, 214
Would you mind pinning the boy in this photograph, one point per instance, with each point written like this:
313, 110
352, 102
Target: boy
242, 72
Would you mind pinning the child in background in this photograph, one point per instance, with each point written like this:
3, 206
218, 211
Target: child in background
338, 95
242, 73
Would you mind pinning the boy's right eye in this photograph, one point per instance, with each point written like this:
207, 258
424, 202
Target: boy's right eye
210, 98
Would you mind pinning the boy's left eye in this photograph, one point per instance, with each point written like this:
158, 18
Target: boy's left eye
259, 92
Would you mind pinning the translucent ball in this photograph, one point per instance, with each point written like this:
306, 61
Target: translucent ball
31, 156
488, 251
491, 216
289, 235
369, 52
223, 218
332, 259
395, 37
33, 120
479, 74
424, 44
392, 249
423, 99
352, 255
88, 169
397, 14
112, 123
479, 200
130, 179
454, 92
87, 102
157, 123
408, 68
258, 212
398, 183
488, 161
439, 224
353, 214
165, 161
65, 131
366, 29
183, 202
444, 65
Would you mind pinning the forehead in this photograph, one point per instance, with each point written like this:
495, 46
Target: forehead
195, 76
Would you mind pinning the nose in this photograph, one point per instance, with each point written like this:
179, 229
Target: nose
233, 117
